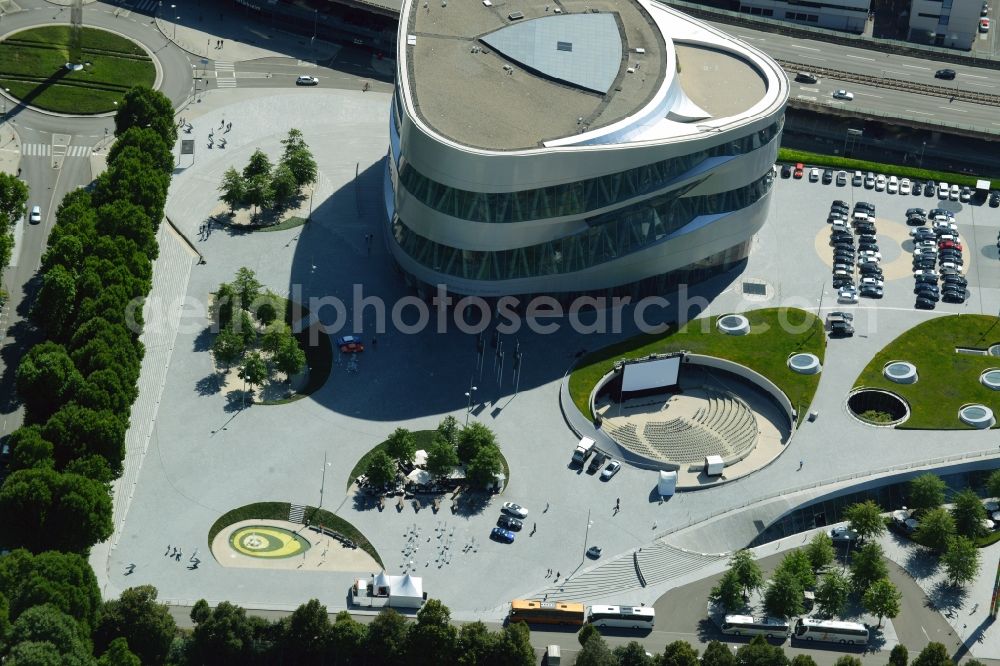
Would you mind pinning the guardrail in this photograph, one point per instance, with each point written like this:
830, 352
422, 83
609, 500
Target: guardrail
920, 122
892, 84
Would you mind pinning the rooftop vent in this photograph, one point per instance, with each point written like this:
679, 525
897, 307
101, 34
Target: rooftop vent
513, 16
564, 46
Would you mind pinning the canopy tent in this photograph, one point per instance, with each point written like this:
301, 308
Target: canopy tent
420, 458
667, 484
380, 585
403, 591
421, 477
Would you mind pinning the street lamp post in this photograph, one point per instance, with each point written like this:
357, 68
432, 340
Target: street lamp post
586, 538
176, 17
322, 485
468, 408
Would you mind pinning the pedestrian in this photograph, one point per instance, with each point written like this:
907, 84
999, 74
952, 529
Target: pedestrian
546, 508
801, 463
229, 126
129, 569
168, 550
618, 503
222, 124
557, 575
222, 43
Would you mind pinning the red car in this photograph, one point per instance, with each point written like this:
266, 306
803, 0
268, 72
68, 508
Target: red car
350, 344
950, 245
799, 167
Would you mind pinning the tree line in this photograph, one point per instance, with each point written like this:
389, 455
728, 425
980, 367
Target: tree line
13, 206
77, 387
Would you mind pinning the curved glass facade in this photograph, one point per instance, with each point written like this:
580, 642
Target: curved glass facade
608, 237
575, 198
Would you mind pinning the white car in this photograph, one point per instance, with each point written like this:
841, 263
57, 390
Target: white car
611, 469
871, 282
951, 266
814, 174
843, 94
925, 252
870, 254
955, 191
942, 190
905, 186
843, 534
306, 80
892, 187
515, 510
841, 178
847, 295
927, 271
880, 182
36, 215
945, 227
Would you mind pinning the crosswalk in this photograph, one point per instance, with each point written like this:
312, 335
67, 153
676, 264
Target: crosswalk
45, 150
144, 6
225, 74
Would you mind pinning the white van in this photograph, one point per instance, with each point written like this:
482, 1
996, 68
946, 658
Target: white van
860, 217
552, 655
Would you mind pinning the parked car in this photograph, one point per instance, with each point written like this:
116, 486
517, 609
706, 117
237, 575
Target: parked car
916, 211
923, 303
611, 470
928, 189
904, 186
814, 174
917, 188
892, 186
350, 344
786, 170
965, 195
954, 296
864, 206
880, 181
515, 510
502, 535
984, 24
954, 192
843, 534
806, 77
942, 190
799, 168
857, 179
847, 295
844, 95
841, 329
827, 176
510, 523
995, 200
594, 552
944, 212
841, 178
36, 215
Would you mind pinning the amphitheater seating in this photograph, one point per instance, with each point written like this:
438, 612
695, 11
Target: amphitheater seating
725, 426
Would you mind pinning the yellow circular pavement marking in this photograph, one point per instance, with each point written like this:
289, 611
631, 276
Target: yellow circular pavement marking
269, 542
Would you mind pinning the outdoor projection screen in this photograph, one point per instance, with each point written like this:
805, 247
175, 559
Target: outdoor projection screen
661, 373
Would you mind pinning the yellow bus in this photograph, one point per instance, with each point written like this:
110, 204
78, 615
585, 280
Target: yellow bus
535, 611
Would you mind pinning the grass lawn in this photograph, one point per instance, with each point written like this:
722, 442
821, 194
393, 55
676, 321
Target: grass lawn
848, 164
765, 349
279, 511
946, 380
32, 67
424, 440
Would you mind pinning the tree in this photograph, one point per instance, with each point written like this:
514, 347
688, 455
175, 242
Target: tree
473, 437
820, 551
56, 301
118, 654
432, 639
899, 655
679, 653
803, 660
44, 509
936, 529
283, 184
63, 580
48, 624
247, 287
448, 430
45, 378
969, 514
867, 566
243, 326
143, 107
961, 560
401, 446
147, 143
305, 634
225, 301
29, 448
13, 197
259, 165
832, 593
882, 599
228, 348
298, 158
595, 652
759, 652
381, 470
632, 654
386, 637
476, 644
289, 359
748, 573
275, 336
93, 467
865, 518
136, 617
847, 660
34, 653
718, 654
993, 484
783, 597
935, 654
441, 458
77, 431
266, 307
233, 189
586, 632
481, 472
259, 193
927, 492
728, 593
253, 371
224, 636
514, 646
347, 640
797, 563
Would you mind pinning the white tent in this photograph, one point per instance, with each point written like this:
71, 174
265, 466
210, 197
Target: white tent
380, 585
421, 477
420, 458
667, 483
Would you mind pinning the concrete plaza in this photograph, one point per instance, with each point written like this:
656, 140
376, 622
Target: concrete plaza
205, 455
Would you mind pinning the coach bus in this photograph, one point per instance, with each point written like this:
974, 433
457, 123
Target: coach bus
745, 625
635, 617
534, 611
808, 629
